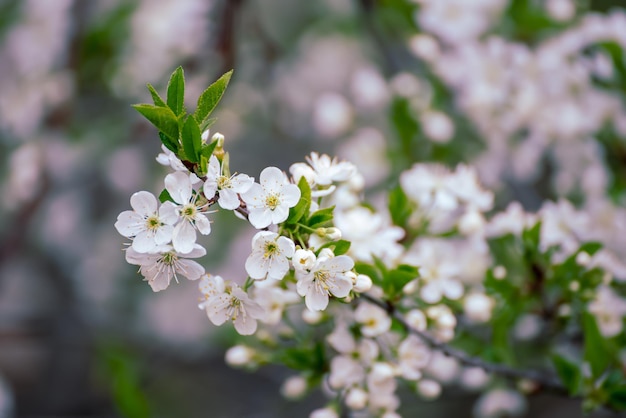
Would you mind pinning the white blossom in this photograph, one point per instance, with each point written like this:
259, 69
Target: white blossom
374, 320
326, 277
270, 256
227, 301
179, 186
269, 202
228, 188
150, 226
158, 268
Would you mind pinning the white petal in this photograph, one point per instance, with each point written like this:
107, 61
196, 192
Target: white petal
278, 269
214, 167
229, 200
210, 188
217, 308
130, 223
254, 197
291, 195
272, 180
256, 266
316, 301
260, 218
144, 242
168, 213
190, 269
178, 186
241, 183
184, 237
280, 214
287, 247
198, 251
160, 281
164, 234
202, 223
144, 203
340, 287
245, 325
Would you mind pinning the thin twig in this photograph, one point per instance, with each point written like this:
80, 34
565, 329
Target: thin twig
543, 379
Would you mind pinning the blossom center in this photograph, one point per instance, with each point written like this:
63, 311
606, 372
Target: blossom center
271, 250
223, 182
272, 201
153, 223
321, 278
188, 212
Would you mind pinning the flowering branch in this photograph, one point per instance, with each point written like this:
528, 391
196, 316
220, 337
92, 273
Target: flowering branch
548, 382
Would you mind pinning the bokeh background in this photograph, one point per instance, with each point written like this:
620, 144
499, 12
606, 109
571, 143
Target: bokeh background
81, 335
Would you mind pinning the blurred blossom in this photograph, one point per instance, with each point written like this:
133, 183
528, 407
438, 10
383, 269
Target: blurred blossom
610, 310
126, 169
25, 175
366, 149
153, 50
30, 55
561, 10
500, 402
437, 126
527, 327
332, 115
369, 89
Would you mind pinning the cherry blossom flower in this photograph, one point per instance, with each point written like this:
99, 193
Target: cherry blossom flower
228, 187
373, 319
149, 225
322, 171
158, 268
269, 202
226, 300
179, 186
327, 276
270, 254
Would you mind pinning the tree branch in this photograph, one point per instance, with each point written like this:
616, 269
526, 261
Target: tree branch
547, 381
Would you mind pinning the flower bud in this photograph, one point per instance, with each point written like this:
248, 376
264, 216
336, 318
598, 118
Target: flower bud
303, 260
294, 387
312, 317
239, 355
362, 284
428, 389
381, 371
416, 319
478, 307
324, 413
411, 287
205, 136
327, 253
499, 272
356, 399
583, 258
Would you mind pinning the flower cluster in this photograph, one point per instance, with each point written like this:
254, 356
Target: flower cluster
391, 285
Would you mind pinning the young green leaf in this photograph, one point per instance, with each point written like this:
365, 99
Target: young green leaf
304, 204
209, 99
321, 217
569, 372
192, 140
169, 143
596, 350
176, 91
207, 150
158, 101
399, 207
339, 247
161, 117
165, 196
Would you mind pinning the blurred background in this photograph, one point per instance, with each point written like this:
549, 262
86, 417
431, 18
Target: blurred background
523, 89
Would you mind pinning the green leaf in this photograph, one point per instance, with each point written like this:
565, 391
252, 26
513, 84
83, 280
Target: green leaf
569, 372
399, 206
192, 140
339, 247
162, 117
397, 278
209, 99
207, 123
176, 91
595, 349
368, 270
617, 398
169, 143
321, 217
165, 196
158, 101
304, 204
207, 149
